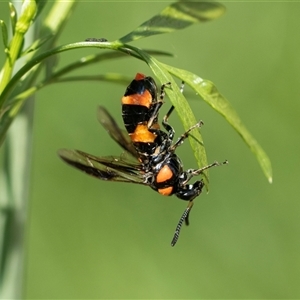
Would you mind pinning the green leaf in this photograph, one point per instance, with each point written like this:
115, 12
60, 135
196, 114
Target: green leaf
95, 58
108, 77
178, 15
13, 17
209, 93
4, 34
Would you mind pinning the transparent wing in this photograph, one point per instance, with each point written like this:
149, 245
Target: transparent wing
118, 135
110, 168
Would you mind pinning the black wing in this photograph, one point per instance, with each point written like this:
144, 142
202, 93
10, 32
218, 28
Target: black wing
105, 168
118, 135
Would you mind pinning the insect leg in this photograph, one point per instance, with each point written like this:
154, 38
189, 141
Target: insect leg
158, 104
165, 123
185, 135
167, 126
194, 172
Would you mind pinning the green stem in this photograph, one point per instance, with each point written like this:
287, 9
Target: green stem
22, 26
15, 172
14, 196
11, 59
38, 59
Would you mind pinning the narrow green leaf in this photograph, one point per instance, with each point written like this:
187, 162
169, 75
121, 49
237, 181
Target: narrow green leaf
178, 15
94, 58
13, 17
209, 93
108, 77
4, 34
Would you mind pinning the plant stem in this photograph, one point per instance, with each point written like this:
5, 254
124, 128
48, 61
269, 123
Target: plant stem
16, 169
15, 172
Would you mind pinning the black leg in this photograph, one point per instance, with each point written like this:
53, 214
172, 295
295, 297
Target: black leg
158, 104
185, 135
194, 172
166, 125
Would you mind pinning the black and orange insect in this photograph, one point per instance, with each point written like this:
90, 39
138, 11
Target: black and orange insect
154, 162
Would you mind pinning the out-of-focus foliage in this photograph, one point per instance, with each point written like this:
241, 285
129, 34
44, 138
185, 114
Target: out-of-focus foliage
93, 239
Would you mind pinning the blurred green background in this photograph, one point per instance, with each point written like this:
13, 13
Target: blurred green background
94, 239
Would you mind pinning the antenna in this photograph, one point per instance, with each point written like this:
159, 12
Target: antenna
184, 217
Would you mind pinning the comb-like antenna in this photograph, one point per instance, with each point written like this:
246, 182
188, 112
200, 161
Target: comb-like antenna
184, 217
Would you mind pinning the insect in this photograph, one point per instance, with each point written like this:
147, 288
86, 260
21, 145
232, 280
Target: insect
152, 160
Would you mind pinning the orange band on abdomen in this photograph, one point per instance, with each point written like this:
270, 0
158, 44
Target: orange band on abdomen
142, 134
